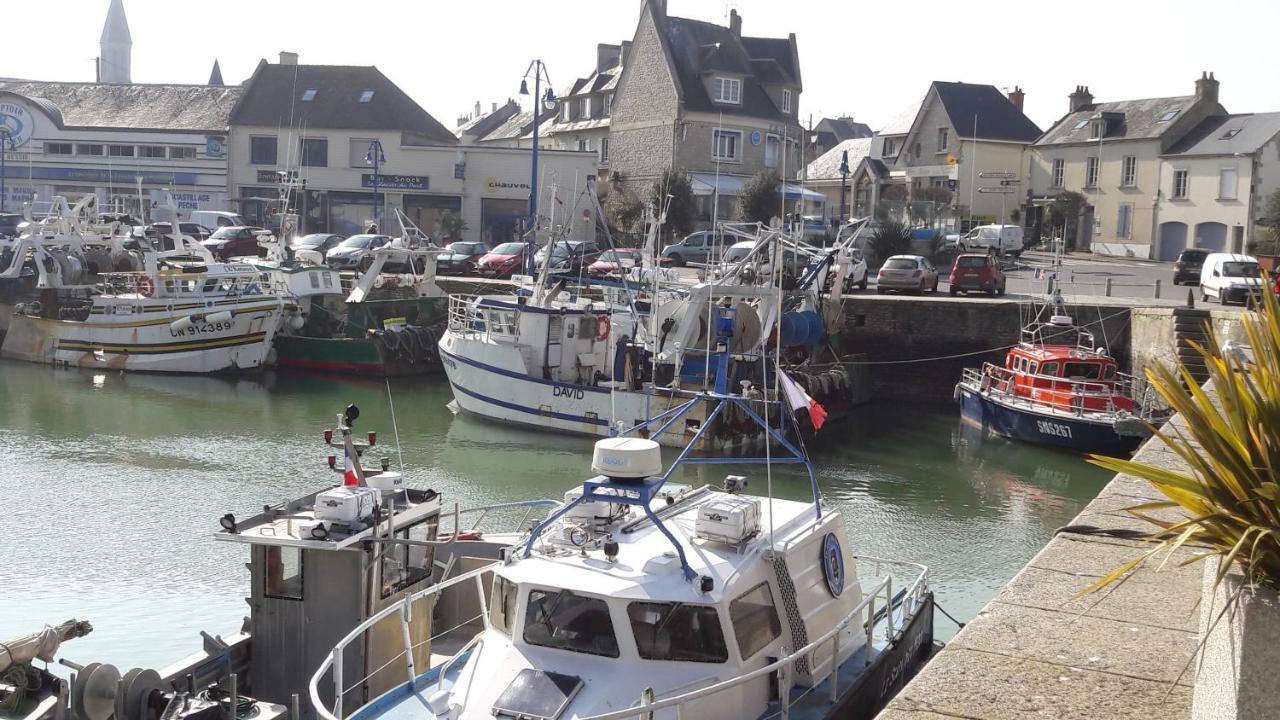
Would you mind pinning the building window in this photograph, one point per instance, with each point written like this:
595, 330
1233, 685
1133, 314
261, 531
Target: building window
366, 96
786, 101
1091, 172
1227, 184
152, 151
120, 150
771, 144
566, 111
315, 152
262, 151
1124, 223
91, 149
283, 576
888, 148
1095, 130
181, 153
726, 90
308, 95
1180, 184
1059, 167
1129, 171
604, 151
584, 108
725, 144
942, 139
58, 148
584, 145
1168, 116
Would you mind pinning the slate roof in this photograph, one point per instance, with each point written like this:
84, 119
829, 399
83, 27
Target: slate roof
902, 122
516, 126
698, 47
1228, 135
1137, 119
997, 117
844, 128
195, 108
827, 165
273, 97
482, 126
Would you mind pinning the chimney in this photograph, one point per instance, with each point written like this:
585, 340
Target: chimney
659, 7
735, 23
288, 58
626, 48
477, 109
1016, 97
1207, 88
1081, 98
607, 56
495, 108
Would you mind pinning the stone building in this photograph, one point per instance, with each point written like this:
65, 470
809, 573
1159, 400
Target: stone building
582, 115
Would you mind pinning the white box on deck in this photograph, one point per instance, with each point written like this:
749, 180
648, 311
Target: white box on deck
728, 519
347, 504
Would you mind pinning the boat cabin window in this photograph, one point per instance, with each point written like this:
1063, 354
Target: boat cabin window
755, 620
1050, 369
502, 604
677, 632
404, 565
565, 621
1109, 372
502, 322
283, 577
1082, 370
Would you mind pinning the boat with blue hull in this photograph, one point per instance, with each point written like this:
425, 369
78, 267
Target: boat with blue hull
1057, 388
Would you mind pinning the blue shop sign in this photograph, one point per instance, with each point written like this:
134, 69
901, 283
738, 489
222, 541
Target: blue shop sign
91, 175
397, 182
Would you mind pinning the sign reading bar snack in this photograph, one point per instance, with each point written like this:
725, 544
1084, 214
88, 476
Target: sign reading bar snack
397, 182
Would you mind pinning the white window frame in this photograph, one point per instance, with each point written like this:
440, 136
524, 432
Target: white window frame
1129, 171
584, 107
887, 149
786, 100
1092, 171
1235, 182
1186, 184
1095, 129
726, 90
943, 136
604, 150
776, 141
716, 134
1057, 172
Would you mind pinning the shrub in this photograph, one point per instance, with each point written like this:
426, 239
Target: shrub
759, 201
890, 237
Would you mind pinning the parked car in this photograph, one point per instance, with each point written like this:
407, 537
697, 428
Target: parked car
857, 275
236, 241
567, 256
1000, 239
460, 258
217, 219
1187, 268
617, 262
503, 261
792, 262
9, 223
1229, 277
195, 231
973, 271
314, 247
700, 247
907, 273
355, 253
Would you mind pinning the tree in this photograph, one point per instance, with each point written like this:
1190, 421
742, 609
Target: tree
1015, 215
1271, 211
891, 237
683, 210
892, 199
623, 211
1065, 212
452, 225
759, 201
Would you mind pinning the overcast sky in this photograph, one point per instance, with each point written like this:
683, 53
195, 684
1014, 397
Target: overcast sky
867, 59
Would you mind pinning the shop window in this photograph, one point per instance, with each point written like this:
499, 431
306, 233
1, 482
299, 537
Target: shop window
315, 152
403, 565
566, 621
120, 150
91, 149
262, 150
182, 153
677, 632
51, 148
755, 620
284, 572
502, 604
152, 151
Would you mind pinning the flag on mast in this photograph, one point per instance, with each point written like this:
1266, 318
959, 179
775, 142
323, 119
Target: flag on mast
798, 399
351, 464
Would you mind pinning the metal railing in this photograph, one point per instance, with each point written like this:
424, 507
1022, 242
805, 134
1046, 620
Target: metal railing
1084, 396
868, 611
464, 317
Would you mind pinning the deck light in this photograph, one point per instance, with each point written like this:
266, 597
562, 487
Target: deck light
328, 436
333, 461
373, 438
320, 532
228, 523
706, 584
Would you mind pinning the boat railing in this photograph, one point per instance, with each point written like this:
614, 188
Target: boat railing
194, 285
465, 318
1073, 396
875, 601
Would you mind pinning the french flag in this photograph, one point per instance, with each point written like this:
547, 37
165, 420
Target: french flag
351, 463
798, 399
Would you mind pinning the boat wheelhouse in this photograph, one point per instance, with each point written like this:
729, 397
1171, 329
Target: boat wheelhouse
1058, 388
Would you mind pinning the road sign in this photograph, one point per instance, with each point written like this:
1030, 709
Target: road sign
998, 175
997, 190
1007, 183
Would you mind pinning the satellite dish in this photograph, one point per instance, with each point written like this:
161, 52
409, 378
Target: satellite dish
746, 329
94, 696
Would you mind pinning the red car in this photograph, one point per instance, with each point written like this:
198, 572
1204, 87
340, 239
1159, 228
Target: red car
235, 241
974, 271
619, 261
503, 261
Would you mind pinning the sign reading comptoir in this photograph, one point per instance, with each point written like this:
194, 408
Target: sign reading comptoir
16, 124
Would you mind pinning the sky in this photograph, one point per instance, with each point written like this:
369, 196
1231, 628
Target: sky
870, 60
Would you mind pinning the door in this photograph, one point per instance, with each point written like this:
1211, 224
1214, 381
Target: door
1211, 236
1173, 240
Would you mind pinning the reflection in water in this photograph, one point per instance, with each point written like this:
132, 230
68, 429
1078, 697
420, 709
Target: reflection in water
113, 484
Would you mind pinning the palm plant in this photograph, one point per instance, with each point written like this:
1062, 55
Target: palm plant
890, 238
1231, 448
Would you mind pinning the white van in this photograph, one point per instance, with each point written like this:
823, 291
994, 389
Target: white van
1229, 277
1003, 239
214, 219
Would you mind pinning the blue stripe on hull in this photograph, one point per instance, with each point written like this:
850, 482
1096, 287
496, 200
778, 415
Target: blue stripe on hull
1066, 433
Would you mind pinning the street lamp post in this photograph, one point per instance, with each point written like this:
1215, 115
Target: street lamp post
539, 71
375, 157
844, 180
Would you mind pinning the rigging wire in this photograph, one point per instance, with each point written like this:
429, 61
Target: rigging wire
395, 428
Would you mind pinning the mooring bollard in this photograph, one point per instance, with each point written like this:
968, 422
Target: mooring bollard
1157, 289
1108, 290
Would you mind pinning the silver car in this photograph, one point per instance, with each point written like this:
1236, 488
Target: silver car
907, 273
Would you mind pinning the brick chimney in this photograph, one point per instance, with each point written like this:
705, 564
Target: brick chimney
1207, 88
735, 23
288, 58
1016, 97
659, 7
1081, 98
477, 109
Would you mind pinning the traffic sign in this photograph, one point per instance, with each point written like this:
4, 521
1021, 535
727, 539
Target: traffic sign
997, 190
998, 175
1007, 183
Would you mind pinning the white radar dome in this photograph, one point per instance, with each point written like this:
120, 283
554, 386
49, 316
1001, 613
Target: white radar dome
627, 458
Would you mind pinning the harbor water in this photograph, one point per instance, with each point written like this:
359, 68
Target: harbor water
113, 485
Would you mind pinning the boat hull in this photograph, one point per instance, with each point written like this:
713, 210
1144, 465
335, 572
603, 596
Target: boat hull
892, 669
1078, 434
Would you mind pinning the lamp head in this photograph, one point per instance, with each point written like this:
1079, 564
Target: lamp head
524, 87
549, 100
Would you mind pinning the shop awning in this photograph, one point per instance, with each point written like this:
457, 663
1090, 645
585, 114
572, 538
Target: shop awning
709, 183
797, 192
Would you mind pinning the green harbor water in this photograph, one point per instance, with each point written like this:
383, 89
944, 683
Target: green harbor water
113, 485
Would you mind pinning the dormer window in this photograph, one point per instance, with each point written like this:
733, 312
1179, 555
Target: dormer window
308, 95
889, 149
366, 96
1095, 130
726, 90
786, 101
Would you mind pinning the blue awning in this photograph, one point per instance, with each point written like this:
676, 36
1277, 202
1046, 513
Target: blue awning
797, 192
708, 184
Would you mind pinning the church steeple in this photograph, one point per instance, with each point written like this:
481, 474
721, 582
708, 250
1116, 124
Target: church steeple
116, 45
215, 77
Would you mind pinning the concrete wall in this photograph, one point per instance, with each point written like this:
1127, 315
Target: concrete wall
645, 108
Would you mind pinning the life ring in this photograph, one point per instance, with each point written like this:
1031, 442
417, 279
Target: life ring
602, 327
146, 286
